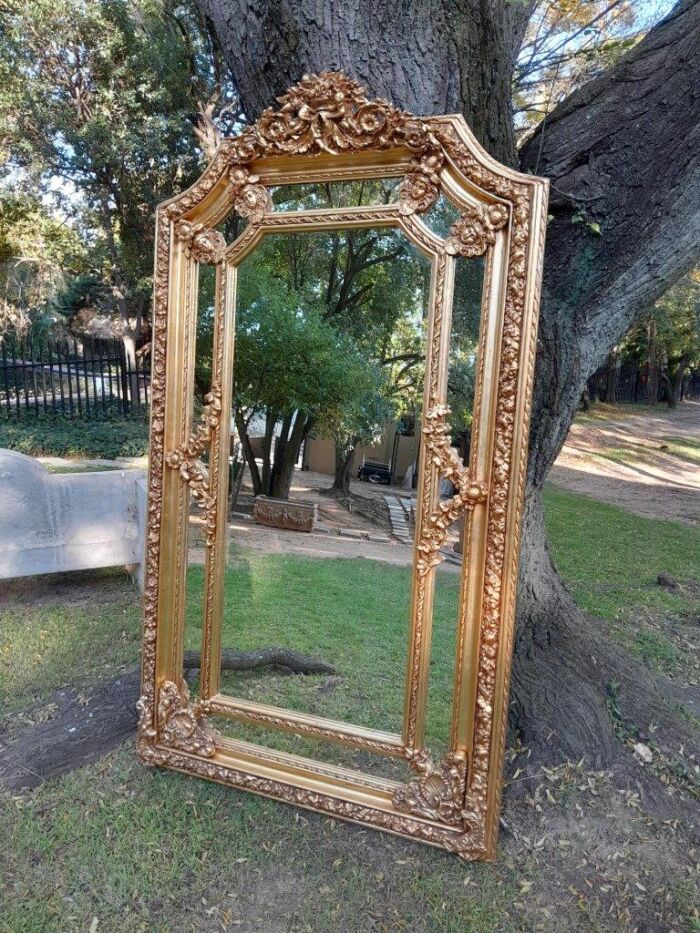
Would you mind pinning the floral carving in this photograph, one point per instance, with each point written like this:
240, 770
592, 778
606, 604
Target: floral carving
421, 186
250, 199
440, 453
437, 793
180, 723
330, 113
476, 230
186, 460
201, 243
417, 192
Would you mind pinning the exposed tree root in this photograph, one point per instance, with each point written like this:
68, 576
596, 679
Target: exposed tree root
75, 728
80, 728
283, 659
575, 695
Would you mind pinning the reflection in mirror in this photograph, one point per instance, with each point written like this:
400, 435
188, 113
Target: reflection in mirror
233, 226
336, 194
196, 530
328, 374
379, 691
464, 349
440, 217
442, 654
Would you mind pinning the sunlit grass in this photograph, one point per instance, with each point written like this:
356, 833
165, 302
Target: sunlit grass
143, 850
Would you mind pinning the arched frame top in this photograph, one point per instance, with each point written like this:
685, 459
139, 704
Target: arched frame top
325, 129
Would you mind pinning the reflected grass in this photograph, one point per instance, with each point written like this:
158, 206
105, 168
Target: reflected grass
350, 613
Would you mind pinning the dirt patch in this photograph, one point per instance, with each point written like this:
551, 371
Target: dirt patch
77, 588
638, 461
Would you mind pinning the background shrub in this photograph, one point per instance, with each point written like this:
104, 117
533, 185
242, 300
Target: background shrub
55, 435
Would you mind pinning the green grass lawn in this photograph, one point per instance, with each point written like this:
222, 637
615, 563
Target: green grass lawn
143, 850
611, 560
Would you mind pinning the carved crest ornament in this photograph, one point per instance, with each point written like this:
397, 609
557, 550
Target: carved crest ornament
326, 129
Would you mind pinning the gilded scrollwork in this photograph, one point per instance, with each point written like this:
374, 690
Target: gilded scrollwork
181, 724
438, 790
186, 460
440, 453
493, 629
330, 113
450, 837
268, 717
476, 230
201, 243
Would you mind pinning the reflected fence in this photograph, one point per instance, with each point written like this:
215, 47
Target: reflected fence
84, 379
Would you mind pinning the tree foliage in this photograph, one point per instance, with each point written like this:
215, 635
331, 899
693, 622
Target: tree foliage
315, 313
667, 340
569, 42
108, 108
38, 254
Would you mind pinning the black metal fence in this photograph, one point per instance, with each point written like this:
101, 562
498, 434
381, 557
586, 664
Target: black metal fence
631, 385
87, 379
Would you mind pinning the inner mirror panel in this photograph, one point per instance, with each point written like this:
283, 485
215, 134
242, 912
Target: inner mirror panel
196, 530
463, 362
331, 348
328, 382
440, 217
336, 194
463, 359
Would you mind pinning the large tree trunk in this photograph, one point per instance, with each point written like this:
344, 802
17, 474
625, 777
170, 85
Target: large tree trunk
624, 150
344, 457
677, 381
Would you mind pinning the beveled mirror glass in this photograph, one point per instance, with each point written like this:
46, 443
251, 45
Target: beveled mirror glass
344, 333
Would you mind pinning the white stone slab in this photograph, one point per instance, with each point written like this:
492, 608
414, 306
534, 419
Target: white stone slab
69, 521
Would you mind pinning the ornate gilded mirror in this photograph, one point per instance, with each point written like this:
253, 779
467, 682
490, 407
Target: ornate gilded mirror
348, 293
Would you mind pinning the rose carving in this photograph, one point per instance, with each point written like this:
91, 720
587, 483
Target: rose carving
476, 230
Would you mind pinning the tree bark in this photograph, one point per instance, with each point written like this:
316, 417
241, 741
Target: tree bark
668, 389
445, 56
624, 150
248, 453
344, 457
286, 456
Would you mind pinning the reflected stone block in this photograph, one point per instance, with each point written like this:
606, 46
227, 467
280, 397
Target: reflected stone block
299, 515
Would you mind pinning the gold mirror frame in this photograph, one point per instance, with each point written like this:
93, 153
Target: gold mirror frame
326, 130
